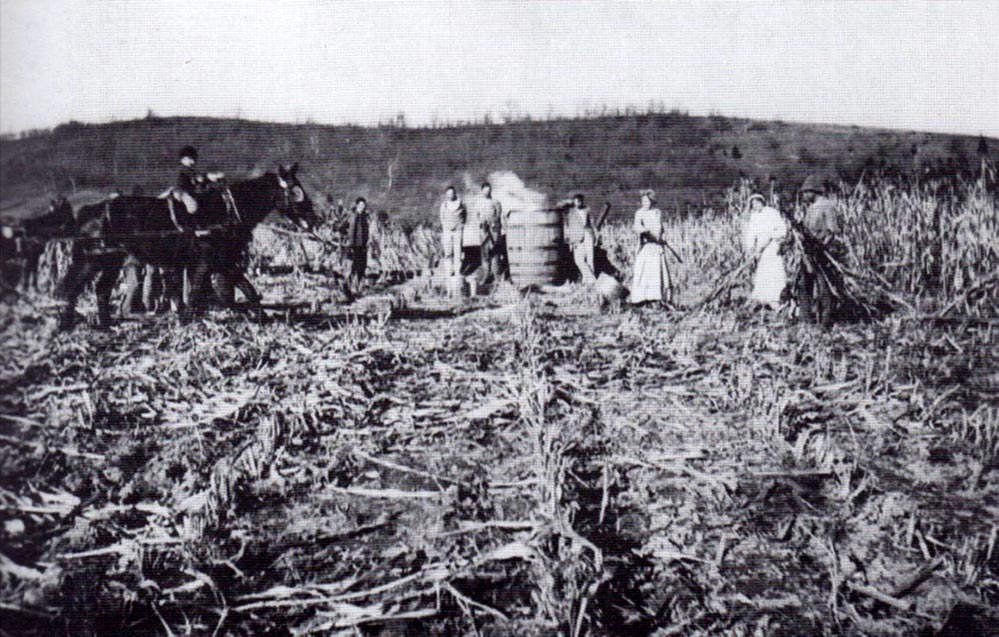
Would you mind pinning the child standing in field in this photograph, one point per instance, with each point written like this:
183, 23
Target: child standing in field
453, 217
762, 234
357, 241
651, 281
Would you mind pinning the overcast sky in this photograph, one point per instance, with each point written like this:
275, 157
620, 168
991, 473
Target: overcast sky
903, 64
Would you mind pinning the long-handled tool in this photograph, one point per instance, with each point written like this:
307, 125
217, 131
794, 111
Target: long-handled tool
603, 216
672, 251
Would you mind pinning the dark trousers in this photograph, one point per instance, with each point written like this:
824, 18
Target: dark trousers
816, 303
494, 258
358, 266
471, 259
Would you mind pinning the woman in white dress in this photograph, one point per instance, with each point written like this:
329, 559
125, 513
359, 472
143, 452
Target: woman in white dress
762, 234
651, 281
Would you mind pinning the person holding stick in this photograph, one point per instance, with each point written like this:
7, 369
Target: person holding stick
813, 291
820, 215
490, 214
762, 234
651, 282
581, 238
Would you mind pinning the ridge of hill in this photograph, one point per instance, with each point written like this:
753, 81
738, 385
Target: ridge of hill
690, 160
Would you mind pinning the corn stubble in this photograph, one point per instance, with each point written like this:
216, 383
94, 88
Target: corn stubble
523, 469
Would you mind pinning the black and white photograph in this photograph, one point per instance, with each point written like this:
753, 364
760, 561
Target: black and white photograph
498, 318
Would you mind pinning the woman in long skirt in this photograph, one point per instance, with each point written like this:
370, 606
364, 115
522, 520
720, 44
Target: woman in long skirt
762, 234
651, 282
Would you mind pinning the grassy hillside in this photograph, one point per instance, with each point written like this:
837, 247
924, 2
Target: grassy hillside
402, 170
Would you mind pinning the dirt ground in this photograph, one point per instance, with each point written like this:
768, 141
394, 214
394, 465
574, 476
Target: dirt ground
408, 465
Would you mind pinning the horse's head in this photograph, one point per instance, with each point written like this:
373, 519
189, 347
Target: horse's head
58, 217
293, 201
61, 212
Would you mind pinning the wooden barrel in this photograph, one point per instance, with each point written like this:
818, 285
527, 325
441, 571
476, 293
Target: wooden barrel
535, 241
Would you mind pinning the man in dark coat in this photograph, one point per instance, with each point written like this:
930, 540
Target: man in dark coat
820, 216
816, 300
357, 243
190, 181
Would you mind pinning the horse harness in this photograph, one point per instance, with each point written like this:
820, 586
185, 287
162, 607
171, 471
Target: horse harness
233, 216
173, 214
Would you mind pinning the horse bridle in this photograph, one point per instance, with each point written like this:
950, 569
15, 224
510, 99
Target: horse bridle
289, 201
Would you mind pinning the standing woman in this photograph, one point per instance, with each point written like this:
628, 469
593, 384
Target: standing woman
762, 234
651, 282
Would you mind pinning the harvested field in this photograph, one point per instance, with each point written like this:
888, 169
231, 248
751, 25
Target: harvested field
518, 469
504, 466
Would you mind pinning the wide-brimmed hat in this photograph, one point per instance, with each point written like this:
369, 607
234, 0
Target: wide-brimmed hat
813, 184
756, 196
648, 192
188, 151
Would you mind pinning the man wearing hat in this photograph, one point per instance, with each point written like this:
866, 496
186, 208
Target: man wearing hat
820, 214
489, 212
580, 236
190, 182
814, 298
453, 215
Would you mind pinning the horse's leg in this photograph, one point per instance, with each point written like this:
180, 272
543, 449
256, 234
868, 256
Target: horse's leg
197, 276
148, 297
25, 282
206, 294
31, 269
253, 298
173, 288
37, 270
110, 268
243, 284
161, 294
224, 288
81, 270
131, 268
24, 276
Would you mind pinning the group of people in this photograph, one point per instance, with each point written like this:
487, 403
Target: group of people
765, 229
473, 235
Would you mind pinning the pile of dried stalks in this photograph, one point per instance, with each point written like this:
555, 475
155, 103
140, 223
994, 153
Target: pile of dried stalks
806, 256
279, 477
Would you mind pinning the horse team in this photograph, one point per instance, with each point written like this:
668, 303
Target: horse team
122, 230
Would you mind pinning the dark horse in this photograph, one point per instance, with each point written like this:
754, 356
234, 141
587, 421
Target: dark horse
147, 229
34, 234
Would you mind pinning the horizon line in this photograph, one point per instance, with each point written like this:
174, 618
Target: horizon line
487, 118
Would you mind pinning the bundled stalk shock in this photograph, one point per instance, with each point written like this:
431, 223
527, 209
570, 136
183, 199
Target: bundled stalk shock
819, 279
